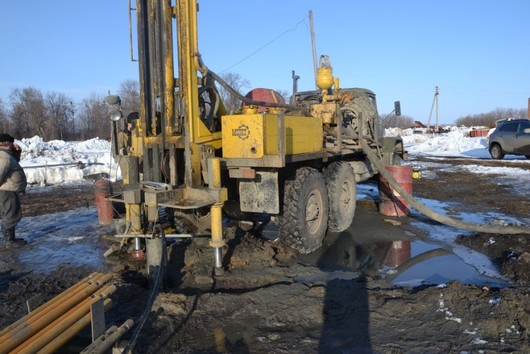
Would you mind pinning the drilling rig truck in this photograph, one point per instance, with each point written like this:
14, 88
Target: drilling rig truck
297, 162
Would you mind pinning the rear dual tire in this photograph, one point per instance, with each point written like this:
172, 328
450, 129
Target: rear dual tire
305, 211
340, 181
314, 203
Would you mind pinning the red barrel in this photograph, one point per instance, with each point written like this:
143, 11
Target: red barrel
102, 190
398, 253
390, 202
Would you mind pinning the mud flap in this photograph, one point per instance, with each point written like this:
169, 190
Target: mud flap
261, 194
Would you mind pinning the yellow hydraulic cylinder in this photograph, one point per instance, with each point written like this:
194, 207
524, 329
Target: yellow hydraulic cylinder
214, 177
216, 211
133, 216
214, 173
217, 225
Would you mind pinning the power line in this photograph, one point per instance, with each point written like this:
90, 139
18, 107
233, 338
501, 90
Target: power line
291, 29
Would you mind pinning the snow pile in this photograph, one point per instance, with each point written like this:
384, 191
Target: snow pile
58, 161
454, 143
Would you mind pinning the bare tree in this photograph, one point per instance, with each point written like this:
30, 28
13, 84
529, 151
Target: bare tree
5, 125
489, 119
130, 96
231, 102
29, 113
93, 118
59, 109
393, 121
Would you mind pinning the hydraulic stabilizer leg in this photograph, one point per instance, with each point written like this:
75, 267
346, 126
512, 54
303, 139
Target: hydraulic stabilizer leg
133, 215
137, 254
217, 241
216, 211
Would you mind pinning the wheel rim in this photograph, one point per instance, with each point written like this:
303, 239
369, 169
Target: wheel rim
313, 212
496, 151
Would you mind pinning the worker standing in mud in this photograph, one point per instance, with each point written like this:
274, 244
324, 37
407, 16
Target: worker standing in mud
12, 182
125, 144
124, 137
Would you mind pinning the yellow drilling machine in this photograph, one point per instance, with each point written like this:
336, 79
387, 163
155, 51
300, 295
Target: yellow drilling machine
296, 162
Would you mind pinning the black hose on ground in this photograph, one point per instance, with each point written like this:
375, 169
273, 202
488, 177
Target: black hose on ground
422, 208
154, 292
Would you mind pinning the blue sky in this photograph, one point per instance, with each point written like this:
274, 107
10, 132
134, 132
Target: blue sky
476, 51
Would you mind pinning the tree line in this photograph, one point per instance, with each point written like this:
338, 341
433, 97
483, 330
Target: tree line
53, 115
489, 119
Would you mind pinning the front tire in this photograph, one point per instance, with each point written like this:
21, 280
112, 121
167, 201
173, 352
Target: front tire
496, 152
342, 195
305, 211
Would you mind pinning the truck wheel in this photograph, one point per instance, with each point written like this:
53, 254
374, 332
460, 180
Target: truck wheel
305, 211
496, 152
342, 195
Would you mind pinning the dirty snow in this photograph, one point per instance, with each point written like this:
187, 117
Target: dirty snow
58, 161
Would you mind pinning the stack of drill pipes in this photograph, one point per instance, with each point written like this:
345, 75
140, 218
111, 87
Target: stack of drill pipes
33, 325
103, 344
64, 323
42, 310
65, 336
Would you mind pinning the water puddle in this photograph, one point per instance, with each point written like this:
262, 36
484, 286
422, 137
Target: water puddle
407, 263
369, 246
66, 238
413, 263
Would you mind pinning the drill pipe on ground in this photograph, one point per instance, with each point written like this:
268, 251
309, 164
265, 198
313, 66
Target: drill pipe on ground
31, 325
54, 329
43, 309
105, 342
65, 336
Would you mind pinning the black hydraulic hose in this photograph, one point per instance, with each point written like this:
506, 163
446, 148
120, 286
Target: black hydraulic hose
492, 229
246, 99
154, 292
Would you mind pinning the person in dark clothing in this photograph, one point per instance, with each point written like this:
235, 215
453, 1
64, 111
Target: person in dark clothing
12, 182
124, 137
16, 151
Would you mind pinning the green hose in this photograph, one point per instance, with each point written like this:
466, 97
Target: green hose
422, 208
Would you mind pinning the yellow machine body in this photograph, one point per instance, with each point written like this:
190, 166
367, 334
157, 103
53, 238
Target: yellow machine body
256, 135
188, 156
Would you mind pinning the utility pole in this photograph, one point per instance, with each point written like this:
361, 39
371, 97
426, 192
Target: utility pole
313, 45
434, 102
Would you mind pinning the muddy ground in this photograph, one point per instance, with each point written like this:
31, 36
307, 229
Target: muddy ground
271, 300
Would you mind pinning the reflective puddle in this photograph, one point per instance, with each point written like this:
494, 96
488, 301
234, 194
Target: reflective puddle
427, 263
68, 238
404, 262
